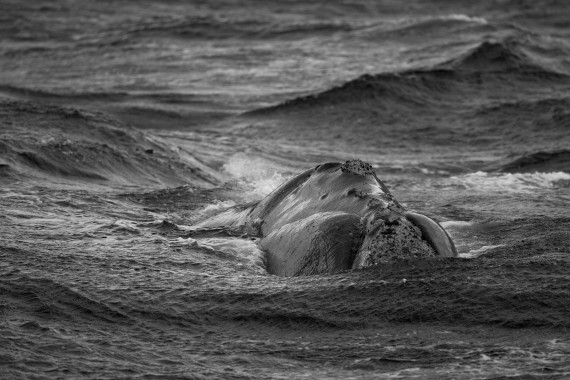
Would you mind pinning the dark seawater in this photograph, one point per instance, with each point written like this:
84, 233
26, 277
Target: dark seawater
122, 123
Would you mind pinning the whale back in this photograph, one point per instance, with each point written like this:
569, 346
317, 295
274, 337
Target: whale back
327, 188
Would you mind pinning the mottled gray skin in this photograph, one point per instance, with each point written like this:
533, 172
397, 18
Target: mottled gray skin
336, 217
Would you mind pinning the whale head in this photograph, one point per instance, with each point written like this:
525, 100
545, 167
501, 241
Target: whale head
336, 217
341, 216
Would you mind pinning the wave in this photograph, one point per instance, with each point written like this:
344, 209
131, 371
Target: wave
11, 91
516, 182
389, 90
507, 56
255, 175
51, 141
485, 64
556, 107
374, 296
43, 297
445, 106
246, 252
542, 161
464, 18
526, 124
217, 27
160, 110
433, 27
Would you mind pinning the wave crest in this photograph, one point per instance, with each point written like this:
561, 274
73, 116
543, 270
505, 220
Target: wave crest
490, 63
75, 144
497, 56
542, 161
511, 182
257, 175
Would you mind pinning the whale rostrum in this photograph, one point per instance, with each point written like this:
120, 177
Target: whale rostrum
333, 218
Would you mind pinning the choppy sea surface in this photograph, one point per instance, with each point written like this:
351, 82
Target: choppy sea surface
123, 123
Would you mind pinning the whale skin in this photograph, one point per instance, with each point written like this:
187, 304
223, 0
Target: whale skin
332, 218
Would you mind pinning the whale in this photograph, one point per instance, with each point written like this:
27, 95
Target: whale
332, 218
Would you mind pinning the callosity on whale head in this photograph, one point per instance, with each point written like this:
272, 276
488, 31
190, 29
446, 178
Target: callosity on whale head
336, 217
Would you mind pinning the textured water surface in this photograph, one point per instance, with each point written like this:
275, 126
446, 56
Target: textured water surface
124, 123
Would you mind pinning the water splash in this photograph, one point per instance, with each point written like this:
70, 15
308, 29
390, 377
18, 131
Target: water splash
462, 233
247, 252
256, 175
213, 209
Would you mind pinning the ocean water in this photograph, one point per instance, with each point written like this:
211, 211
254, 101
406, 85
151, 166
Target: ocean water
124, 123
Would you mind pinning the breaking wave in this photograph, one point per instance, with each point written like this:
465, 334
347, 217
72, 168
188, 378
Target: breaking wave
511, 182
543, 161
257, 176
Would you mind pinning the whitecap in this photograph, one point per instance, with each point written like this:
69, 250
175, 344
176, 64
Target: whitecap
127, 225
243, 250
212, 209
258, 175
456, 224
479, 251
511, 182
466, 18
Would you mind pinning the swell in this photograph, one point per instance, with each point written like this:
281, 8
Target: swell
540, 161
478, 99
508, 56
416, 29
44, 298
30, 93
213, 27
486, 64
163, 110
526, 125
76, 144
470, 293
174, 98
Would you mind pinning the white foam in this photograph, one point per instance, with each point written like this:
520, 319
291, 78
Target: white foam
462, 17
479, 251
213, 209
410, 21
246, 251
31, 198
463, 237
456, 224
218, 206
432, 172
511, 182
259, 176
128, 225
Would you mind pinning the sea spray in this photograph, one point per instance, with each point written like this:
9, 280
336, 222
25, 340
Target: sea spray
256, 175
